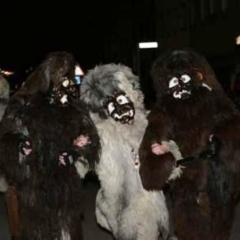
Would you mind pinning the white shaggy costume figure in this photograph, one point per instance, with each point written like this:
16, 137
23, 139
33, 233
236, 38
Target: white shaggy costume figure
122, 205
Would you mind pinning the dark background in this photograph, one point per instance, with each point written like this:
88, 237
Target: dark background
99, 32
30, 29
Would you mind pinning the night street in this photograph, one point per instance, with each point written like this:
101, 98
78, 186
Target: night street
129, 87
90, 228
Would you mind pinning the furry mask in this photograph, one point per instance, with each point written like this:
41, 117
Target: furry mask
181, 73
112, 91
66, 88
180, 87
56, 77
120, 107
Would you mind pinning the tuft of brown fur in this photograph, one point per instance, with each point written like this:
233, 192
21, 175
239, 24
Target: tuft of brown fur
49, 195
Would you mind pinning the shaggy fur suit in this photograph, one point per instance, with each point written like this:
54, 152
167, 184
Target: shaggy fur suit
191, 107
41, 154
123, 206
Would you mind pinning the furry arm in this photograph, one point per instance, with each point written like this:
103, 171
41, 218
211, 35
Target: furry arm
155, 169
91, 151
9, 157
13, 133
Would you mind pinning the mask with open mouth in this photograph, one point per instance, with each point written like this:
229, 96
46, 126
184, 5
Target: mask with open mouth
180, 87
120, 107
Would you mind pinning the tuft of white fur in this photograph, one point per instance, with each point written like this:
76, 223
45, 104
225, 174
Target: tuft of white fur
82, 167
3, 184
174, 149
207, 86
64, 235
123, 206
176, 173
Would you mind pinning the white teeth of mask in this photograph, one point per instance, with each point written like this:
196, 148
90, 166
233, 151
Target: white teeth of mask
120, 107
179, 94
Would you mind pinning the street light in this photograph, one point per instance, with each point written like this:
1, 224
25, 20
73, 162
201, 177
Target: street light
237, 40
148, 45
145, 56
144, 45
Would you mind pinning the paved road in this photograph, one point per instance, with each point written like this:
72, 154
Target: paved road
90, 228
4, 227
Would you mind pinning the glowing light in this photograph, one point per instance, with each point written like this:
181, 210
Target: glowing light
148, 45
6, 73
238, 40
78, 71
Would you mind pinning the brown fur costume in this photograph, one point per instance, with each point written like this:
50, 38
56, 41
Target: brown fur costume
48, 190
204, 197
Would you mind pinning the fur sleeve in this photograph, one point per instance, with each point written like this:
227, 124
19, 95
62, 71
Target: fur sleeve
89, 154
9, 157
12, 133
155, 170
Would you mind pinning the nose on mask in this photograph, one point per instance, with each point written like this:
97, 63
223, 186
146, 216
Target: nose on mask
121, 109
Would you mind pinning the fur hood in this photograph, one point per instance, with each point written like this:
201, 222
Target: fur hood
103, 80
172, 62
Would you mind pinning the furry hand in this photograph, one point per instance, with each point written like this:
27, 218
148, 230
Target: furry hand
81, 141
66, 159
25, 147
159, 149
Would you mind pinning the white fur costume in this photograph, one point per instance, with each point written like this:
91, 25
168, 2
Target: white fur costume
122, 205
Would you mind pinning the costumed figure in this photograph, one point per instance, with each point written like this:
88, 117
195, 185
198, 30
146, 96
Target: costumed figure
4, 98
192, 108
48, 143
123, 207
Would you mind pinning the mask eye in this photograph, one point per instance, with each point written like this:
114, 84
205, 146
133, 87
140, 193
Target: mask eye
185, 78
173, 82
66, 83
122, 99
110, 107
